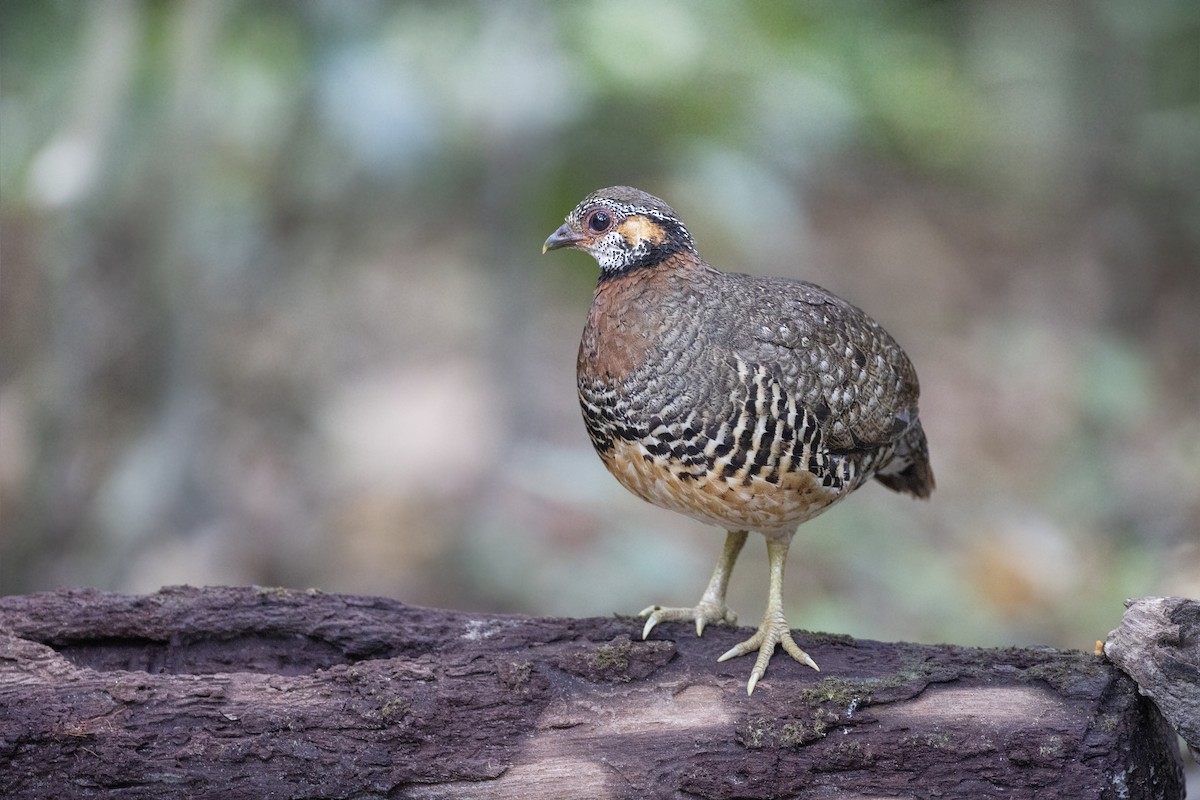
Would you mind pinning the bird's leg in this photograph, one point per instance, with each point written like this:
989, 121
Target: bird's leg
711, 607
773, 629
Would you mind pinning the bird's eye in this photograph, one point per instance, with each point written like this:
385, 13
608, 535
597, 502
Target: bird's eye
599, 221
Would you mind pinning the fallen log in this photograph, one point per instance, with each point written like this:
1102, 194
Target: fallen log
270, 693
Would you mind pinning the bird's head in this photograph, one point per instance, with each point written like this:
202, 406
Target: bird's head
623, 229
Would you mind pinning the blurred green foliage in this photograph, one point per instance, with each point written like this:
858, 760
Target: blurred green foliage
272, 310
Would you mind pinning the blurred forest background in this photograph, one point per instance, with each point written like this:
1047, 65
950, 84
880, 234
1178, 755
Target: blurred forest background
273, 309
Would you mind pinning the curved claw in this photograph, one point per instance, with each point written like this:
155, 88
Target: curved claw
795, 652
652, 613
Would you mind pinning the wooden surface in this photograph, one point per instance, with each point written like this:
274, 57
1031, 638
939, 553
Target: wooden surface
1158, 645
268, 693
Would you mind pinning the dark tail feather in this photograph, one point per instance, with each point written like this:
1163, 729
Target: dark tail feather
909, 469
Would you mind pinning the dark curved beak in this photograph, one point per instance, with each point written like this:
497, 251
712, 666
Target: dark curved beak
563, 237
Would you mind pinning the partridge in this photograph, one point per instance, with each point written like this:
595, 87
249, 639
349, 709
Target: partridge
750, 403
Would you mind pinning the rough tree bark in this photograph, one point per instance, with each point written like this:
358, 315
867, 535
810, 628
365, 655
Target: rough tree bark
268, 693
1158, 645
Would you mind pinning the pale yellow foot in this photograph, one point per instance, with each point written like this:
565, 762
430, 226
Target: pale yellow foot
711, 607
704, 613
773, 631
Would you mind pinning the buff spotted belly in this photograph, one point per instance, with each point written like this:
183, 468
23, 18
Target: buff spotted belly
735, 502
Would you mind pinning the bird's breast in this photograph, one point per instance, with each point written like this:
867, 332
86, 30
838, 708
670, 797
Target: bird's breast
717, 442
628, 315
